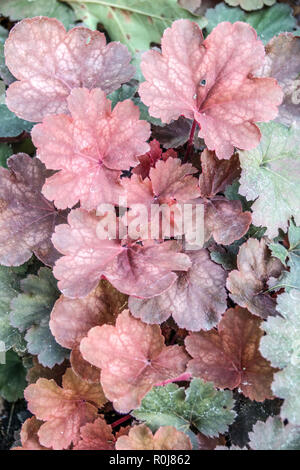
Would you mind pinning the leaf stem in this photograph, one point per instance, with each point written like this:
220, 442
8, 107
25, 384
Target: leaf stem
120, 421
190, 142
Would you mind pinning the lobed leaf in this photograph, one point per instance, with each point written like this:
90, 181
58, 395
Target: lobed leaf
90, 167
166, 438
200, 406
132, 357
274, 435
230, 357
271, 176
48, 63
64, 409
248, 284
214, 83
132, 268
12, 377
196, 300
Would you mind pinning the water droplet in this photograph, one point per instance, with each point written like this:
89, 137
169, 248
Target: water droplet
203, 82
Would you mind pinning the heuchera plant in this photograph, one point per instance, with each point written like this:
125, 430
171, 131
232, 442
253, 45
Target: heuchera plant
127, 338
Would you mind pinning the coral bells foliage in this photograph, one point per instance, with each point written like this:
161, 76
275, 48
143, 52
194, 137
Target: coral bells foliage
89, 148
121, 316
48, 63
212, 81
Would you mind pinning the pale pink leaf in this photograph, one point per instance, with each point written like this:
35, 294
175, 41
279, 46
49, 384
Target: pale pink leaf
133, 268
212, 81
132, 357
96, 436
48, 62
90, 148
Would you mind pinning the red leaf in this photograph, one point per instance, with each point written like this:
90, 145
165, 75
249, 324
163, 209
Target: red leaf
212, 81
150, 158
65, 409
96, 436
48, 62
90, 147
27, 219
132, 357
230, 357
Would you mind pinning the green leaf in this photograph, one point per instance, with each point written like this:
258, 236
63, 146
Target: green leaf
294, 238
5, 152
271, 175
4, 72
279, 251
30, 311
18, 9
136, 23
222, 13
10, 279
267, 22
274, 435
12, 377
127, 92
281, 346
200, 406
272, 21
250, 5
10, 124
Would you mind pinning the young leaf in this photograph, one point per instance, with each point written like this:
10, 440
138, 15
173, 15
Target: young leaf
248, 283
283, 63
281, 346
271, 177
12, 377
142, 270
149, 160
30, 312
200, 406
214, 83
137, 24
96, 436
166, 438
65, 409
29, 435
249, 5
90, 166
9, 288
274, 435
18, 9
58, 61
27, 219
223, 219
196, 301
230, 357
132, 357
